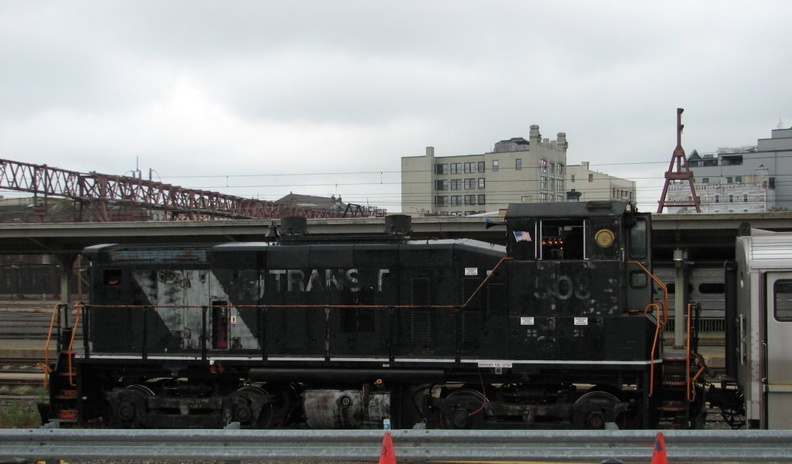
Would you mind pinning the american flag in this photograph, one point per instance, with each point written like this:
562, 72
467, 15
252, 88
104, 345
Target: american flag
522, 236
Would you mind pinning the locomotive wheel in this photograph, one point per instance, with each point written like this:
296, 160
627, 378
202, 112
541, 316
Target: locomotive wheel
247, 406
464, 409
131, 404
599, 402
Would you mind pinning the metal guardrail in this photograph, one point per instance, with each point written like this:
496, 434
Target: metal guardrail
409, 445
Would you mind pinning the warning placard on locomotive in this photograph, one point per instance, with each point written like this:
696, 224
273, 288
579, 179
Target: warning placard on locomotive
496, 364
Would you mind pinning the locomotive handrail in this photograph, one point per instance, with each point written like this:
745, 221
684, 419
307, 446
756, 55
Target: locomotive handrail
45, 366
691, 392
660, 284
661, 321
658, 330
70, 349
315, 306
486, 279
274, 306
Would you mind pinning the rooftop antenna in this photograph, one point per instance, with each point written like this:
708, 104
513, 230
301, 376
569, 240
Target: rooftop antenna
137, 174
681, 173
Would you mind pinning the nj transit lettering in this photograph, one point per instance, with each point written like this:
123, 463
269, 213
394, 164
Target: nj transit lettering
321, 280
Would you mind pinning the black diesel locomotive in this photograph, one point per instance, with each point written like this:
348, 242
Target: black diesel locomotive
560, 328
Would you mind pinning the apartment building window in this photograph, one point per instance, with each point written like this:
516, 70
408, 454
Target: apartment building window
470, 184
518, 164
705, 180
731, 198
591, 177
543, 197
455, 167
470, 167
441, 168
542, 182
481, 166
456, 184
745, 197
441, 184
481, 182
717, 198
559, 185
572, 179
456, 200
525, 199
552, 168
482, 199
441, 201
495, 165
542, 165
470, 199
738, 179
560, 169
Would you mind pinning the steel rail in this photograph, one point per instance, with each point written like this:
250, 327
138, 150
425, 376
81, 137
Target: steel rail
409, 445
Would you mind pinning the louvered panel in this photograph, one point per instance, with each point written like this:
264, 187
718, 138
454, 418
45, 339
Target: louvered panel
420, 326
469, 287
472, 326
496, 299
420, 319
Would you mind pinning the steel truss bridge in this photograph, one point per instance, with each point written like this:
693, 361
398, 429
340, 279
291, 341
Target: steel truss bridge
106, 198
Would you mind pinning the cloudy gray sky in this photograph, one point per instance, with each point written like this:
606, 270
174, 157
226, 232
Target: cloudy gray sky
259, 98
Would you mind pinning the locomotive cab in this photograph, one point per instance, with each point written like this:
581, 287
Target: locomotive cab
579, 290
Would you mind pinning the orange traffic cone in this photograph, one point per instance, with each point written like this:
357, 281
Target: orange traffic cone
387, 453
659, 454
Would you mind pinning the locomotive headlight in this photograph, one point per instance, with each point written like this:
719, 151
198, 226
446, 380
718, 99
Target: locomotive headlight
604, 238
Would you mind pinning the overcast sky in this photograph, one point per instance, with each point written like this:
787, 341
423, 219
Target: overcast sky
260, 98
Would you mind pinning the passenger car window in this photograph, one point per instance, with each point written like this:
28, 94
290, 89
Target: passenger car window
782, 297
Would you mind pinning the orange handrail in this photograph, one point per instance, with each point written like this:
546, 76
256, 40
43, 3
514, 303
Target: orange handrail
659, 284
486, 279
78, 310
324, 306
658, 329
662, 318
45, 366
691, 392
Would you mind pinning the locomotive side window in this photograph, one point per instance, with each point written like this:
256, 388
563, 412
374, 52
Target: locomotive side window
111, 277
562, 240
782, 294
638, 239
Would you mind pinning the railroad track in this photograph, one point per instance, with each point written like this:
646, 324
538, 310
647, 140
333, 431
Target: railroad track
23, 335
21, 378
24, 323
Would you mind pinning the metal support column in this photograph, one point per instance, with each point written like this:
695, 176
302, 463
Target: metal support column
66, 261
680, 297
